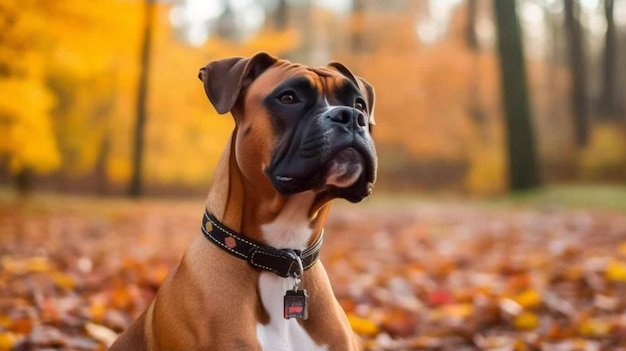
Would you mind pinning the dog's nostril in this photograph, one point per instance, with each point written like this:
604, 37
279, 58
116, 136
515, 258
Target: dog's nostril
348, 116
360, 119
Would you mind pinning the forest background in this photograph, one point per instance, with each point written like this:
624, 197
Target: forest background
77, 116
475, 100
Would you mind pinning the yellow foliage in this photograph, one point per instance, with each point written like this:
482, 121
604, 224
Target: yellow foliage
28, 141
605, 157
487, 171
88, 53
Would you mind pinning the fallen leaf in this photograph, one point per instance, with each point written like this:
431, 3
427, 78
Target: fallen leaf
526, 321
616, 271
101, 333
594, 327
7, 341
528, 298
362, 326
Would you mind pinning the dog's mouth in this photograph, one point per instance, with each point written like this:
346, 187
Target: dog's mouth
341, 170
345, 168
348, 173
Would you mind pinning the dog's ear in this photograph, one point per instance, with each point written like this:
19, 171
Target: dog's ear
366, 88
224, 80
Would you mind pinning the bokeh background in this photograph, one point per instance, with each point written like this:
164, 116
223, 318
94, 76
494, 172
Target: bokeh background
498, 221
72, 88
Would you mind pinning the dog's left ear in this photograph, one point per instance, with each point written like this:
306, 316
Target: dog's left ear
366, 88
224, 80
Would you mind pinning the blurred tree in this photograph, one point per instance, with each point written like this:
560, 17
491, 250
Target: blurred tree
27, 142
85, 102
476, 111
578, 67
358, 37
471, 37
521, 144
281, 15
608, 98
135, 188
92, 75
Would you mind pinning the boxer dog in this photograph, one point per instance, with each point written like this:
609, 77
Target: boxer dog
252, 279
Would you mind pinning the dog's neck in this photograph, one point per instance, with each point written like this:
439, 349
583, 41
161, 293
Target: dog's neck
263, 214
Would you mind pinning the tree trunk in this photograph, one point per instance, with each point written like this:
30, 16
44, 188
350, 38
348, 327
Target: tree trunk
471, 37
521, 144
577, 69
100, 168
608, 100
24, 181
476, 109
136, 183
357, 40
281, 15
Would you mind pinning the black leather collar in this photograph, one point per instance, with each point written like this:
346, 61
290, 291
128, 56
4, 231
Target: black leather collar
282, 262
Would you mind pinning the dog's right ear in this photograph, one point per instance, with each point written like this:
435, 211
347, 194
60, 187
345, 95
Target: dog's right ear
224, 80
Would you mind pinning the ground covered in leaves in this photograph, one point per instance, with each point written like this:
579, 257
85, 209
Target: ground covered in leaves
412, 276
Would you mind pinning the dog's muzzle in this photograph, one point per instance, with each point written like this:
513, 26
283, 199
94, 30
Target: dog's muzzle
331, 151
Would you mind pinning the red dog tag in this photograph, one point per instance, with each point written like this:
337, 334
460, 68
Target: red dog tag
296, 304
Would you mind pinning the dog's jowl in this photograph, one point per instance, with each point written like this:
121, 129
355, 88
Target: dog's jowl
252, 278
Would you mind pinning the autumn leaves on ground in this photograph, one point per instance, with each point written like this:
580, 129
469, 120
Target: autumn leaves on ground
411, 275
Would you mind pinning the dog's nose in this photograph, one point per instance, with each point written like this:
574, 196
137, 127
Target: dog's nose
348, 116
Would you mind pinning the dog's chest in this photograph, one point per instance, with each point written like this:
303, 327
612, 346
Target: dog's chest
289, 230
281, 334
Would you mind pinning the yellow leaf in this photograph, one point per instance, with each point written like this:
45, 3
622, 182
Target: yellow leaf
528, 298
362, 326
616, 271
7, 341
594, 327
526, 321
63, 280
38, 264
28, 265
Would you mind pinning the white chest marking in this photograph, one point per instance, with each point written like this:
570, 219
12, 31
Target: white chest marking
281, 334
289, 230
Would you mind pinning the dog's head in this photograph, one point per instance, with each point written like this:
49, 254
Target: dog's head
299, 128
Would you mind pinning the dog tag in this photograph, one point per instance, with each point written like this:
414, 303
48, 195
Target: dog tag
296, 304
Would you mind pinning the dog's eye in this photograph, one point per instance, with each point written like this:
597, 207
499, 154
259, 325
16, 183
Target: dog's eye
288, 98
360, 105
